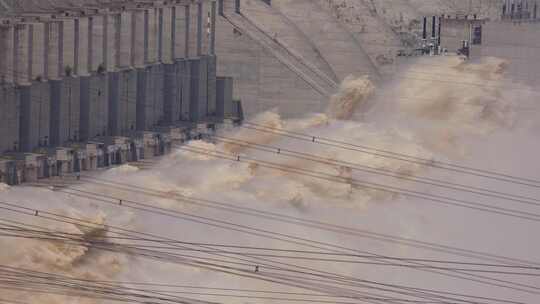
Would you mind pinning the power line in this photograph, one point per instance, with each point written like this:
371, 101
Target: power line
298, 221
372, 186
44, 214
59, 238
257, 232
324, 280
117, 286
393, 155
378, 171
198, 264
295, 242
58, 283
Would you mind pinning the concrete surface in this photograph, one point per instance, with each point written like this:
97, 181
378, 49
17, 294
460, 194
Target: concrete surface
9, 118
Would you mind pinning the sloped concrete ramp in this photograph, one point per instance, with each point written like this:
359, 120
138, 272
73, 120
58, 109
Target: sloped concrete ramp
334, 42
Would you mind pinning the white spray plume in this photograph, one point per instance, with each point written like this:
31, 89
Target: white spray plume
442, 119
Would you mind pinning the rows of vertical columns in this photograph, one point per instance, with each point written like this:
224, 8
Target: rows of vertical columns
77, 78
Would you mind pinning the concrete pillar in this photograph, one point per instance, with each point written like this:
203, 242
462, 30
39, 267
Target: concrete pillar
3, 53
68, 56
94, 106
150, 99
211, 85
122, 109
187, 30
138, 38
9, 54
16, 53
37, 51
193, 34
179, 31
101, 55
172, 90
185, 94
65, 110
90, 45
212, 49
30, 52
83, 51
224, 90
53, 50
199, 89
105, 41
166, 34
153, 37
35, 116
146, 35
133, 38
117, 40
173, 33
9, 118
200, 29
160, 35
60, 45
76, 46
126, 35
21, 53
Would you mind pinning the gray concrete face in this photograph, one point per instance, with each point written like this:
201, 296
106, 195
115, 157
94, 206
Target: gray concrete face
35, 116
211, 87
262, 82
9, 119
122, 102
75, 57
65, 111
334, 42
172, 94
177, 88
224, 97
185, 82
150, 111
94, 106
199, 93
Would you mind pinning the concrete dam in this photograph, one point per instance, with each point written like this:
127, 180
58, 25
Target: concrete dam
90, 86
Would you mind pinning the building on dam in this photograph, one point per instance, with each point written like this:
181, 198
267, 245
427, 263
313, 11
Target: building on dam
88, 87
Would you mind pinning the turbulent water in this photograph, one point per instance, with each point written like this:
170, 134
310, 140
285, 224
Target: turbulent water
442, 110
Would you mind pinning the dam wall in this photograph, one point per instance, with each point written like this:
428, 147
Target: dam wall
92, 86
83, 88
